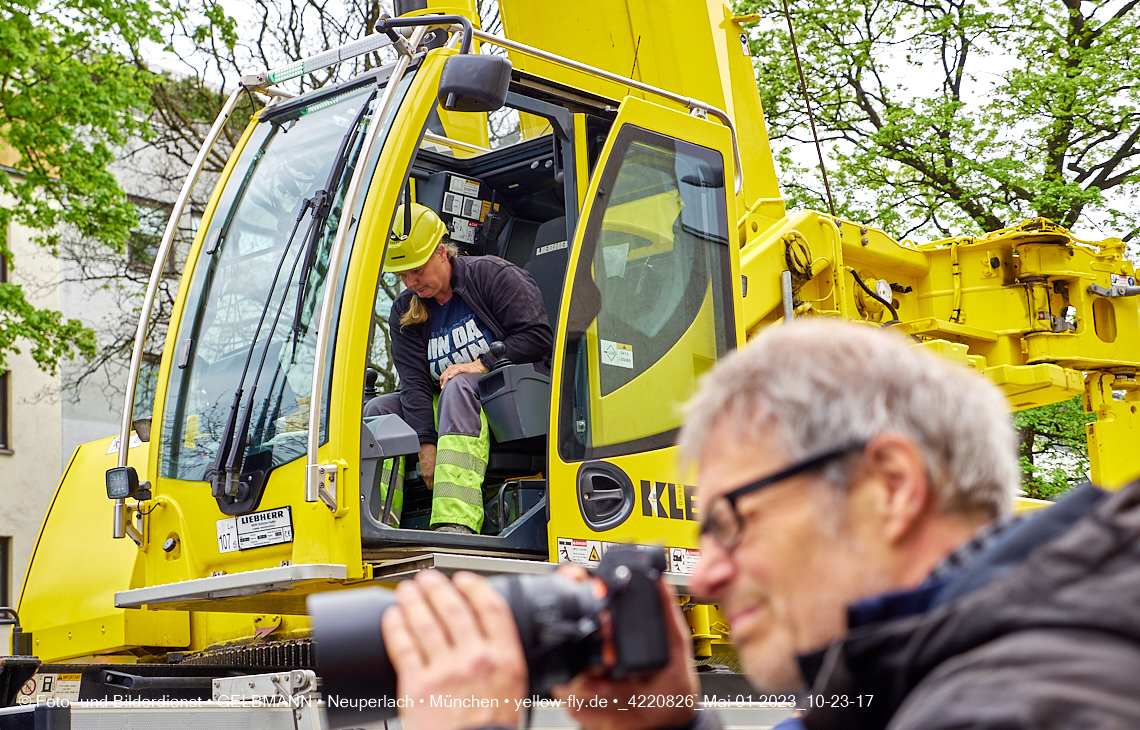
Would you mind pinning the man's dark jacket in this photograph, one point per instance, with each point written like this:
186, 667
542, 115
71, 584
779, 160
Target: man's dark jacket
1041, 630
502, 296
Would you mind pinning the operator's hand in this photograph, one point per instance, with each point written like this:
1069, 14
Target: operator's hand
455, 638
463, 367
677, 679
427, 465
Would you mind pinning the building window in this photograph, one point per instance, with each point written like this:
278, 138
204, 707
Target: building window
147, 384
5, 571
147, 236
5, 444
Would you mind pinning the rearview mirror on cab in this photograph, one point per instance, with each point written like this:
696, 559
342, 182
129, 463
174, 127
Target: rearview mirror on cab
473, 83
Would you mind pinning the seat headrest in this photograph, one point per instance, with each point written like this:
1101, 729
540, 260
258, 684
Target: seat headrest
550, 237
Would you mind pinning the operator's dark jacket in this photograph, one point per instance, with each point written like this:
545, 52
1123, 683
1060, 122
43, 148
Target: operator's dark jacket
1041, 630
500, 294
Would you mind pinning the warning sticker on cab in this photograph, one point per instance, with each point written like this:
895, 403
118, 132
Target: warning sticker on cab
617, 354
463, 186
134, 442
452, 204
588, 553
49, 687
257, 529
683, 560
582, 552
463, 230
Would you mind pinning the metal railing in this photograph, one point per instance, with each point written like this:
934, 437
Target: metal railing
121, 528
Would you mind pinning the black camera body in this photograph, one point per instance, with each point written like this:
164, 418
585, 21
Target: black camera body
565, 628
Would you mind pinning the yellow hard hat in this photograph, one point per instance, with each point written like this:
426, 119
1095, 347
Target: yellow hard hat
412, 249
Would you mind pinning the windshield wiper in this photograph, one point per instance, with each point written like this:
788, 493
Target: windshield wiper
223, 481
335, 181
227, 480
207, 286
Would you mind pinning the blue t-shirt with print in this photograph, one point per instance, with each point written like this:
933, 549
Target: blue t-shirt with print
457, 336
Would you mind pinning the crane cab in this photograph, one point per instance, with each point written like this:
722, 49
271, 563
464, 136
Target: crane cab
261, 475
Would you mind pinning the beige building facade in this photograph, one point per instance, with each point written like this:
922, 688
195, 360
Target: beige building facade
31, 458
45, 417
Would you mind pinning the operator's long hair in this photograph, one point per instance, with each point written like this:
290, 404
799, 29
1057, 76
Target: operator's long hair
417, 311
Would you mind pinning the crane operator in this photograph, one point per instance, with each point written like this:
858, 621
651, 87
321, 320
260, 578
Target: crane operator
442, 326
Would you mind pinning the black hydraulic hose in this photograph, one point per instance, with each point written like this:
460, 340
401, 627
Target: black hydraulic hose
122, 680
807, 104
862, 285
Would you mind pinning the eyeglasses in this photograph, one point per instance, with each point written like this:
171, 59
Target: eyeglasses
723, 522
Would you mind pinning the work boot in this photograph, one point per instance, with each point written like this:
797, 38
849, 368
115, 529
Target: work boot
458, 529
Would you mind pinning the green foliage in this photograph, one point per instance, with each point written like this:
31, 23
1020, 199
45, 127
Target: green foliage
1054, 448
218, 25
52, 338
71, 88
185, 108
949, 118
954, 117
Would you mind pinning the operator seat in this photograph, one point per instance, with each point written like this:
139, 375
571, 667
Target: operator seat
547, 265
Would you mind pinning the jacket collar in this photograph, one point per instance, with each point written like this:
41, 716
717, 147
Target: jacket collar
902, 636
458, 274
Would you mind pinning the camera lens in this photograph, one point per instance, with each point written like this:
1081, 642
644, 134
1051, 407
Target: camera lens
357, 679
557, 621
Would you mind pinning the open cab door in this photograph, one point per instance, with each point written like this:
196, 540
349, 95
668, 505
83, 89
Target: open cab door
648, 310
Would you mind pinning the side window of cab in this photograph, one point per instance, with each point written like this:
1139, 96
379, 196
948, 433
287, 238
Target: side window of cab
651, 297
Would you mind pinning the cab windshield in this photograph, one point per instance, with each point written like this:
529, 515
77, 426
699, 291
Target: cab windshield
258, 284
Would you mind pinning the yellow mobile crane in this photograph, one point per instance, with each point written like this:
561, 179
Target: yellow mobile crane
638, 188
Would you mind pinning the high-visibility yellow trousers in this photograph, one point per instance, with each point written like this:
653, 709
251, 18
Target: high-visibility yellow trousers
462, 450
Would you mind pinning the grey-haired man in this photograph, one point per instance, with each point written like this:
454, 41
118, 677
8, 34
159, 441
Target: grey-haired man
854, 494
